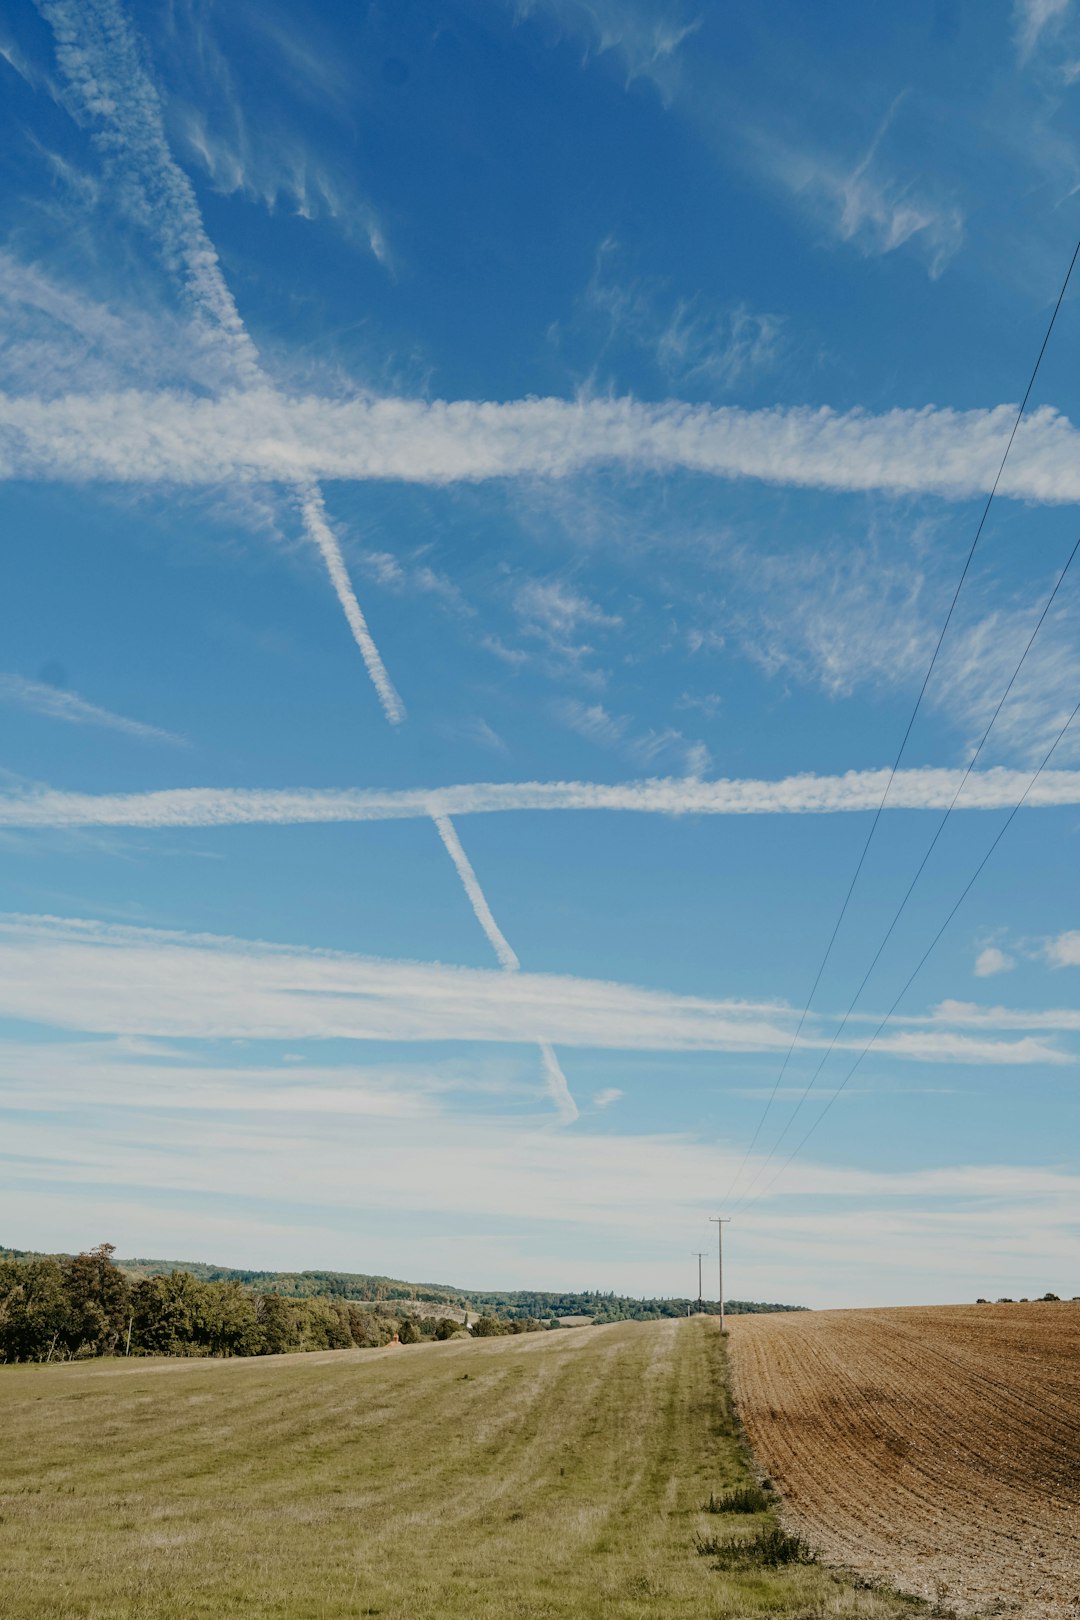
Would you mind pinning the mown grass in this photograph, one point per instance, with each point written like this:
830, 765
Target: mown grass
553, 1476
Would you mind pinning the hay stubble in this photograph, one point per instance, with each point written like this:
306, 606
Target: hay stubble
557, 1476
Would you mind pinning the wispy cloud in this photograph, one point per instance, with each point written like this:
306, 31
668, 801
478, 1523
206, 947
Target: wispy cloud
915, 789
688, 340
847, 622
129, 1073
113, 980
56, 337
1064, 951
864, 204
475, 729
722, 350
176, 438
644, 37
992, 960
209, 117
274, 168
863, 200
1003, 1223
13, 54
593, 722
1032, 18
557, 615
970, 1015
57, 704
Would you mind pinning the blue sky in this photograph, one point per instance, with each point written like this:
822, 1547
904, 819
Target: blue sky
481, 484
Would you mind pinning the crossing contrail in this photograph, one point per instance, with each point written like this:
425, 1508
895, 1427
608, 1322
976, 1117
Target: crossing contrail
97, 52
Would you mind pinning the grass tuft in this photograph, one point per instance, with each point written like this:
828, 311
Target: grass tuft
769, 1549
743, 1499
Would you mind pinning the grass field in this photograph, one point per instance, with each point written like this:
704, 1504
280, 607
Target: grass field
939, 1448
560, 1474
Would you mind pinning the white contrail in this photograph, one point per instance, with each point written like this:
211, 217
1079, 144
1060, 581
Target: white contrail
916, 789
565, 1106
97, 53
314, 510
499, 943
256, 433
557, 1086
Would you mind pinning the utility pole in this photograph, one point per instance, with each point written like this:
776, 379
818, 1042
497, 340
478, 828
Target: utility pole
720, 1222
700, 1256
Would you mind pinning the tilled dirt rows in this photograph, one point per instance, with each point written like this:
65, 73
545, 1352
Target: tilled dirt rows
937, 1449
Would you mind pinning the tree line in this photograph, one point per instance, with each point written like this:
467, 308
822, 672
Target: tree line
55, 1308
512, 1304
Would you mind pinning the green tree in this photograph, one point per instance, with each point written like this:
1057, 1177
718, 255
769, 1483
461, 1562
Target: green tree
228, 1322
165, 1313
98, 1296
33, 1309
277, 1331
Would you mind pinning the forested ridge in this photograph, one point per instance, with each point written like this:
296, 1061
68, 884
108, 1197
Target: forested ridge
511, 1303
63, 1307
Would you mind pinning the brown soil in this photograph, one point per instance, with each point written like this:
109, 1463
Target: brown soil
936, 1448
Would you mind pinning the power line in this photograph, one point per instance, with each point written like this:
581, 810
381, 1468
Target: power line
908, 729
898, 913
920, 964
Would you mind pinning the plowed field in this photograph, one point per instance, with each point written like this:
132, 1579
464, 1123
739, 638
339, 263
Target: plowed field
938, 1449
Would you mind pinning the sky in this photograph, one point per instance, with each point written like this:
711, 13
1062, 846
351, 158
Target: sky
481, 487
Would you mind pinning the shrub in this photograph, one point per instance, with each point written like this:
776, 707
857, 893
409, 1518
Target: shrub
743, 1499
489, 1327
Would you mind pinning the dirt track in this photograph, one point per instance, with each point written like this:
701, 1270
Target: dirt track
938, 1448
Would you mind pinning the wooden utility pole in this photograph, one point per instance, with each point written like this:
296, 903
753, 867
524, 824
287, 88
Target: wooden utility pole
700, 1256
720, 1222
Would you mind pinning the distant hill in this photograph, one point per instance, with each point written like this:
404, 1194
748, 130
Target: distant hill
602, 1307
370, 1288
